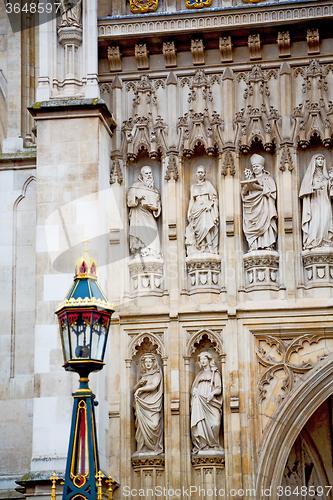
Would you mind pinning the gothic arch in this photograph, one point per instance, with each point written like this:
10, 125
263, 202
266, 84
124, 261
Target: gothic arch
139, 339
212, 336
309, 393
18, 200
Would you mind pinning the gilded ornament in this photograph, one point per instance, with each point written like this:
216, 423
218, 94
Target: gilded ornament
197, 4
251, 1
143, 6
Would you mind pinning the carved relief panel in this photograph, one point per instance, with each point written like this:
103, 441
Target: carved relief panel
282, 360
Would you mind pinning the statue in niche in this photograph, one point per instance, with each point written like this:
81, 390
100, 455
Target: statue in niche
145, 207
206, 406
71, 13
258, 193
201, 234
148, 406
316, 191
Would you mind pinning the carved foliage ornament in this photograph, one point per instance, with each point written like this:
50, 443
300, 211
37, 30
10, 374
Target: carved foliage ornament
313, 117
285, 361
200, 125
143, 6
172, 170
258, 120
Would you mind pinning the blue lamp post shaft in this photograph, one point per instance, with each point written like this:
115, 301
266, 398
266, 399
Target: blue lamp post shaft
82, 462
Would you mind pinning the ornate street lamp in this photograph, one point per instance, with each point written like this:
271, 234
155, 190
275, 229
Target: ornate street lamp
84, 320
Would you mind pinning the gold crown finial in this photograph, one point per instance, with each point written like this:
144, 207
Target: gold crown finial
86, 241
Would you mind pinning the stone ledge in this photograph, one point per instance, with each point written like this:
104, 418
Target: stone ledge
208, 19
73, 108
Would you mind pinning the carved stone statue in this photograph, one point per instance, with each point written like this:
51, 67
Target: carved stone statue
316, 190
145, 203
206, 406
203, 215
71, 13
148, 406
259, 211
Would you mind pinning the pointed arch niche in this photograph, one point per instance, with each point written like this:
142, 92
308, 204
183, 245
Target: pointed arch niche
147, 471
208, 469
298, 445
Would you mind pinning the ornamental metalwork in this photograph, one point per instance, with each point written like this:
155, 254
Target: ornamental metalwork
197, 4
143, 6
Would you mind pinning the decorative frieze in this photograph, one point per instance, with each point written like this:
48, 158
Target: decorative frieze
121, 28
253, 42
141, 55
114, 58
169, 53
283, 41
312, 38
197, 49
225, 47
261, 269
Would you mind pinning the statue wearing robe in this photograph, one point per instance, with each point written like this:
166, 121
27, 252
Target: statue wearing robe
148, 406
203, 216
206, 406
316, 189
259, 210
145, 206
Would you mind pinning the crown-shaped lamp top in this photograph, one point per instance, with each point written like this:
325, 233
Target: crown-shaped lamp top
85, 266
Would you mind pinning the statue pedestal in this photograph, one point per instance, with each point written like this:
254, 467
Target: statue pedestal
148, 471
318, 266
204, 272
261, 269
146, 276
209, 473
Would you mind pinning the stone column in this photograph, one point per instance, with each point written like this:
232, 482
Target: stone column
74, 140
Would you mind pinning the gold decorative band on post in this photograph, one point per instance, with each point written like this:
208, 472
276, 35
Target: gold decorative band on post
142, 6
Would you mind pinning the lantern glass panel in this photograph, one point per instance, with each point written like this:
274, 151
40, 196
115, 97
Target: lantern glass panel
98, 338
65, 339
80, 337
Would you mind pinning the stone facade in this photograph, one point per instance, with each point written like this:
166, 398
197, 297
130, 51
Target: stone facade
173, 85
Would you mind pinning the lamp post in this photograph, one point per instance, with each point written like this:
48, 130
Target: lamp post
84, 321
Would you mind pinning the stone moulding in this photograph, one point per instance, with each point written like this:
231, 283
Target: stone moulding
208, 460
318, 266
261, 270
204, 272
146, 276
168, 24
148, 461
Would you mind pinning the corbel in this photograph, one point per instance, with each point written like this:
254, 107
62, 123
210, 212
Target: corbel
169, 52
312, 39
114, 58
283, 41
141, 55
253, 42
225, 46
197, 49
